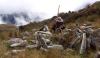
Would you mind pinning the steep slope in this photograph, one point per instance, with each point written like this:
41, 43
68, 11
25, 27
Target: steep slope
90, 14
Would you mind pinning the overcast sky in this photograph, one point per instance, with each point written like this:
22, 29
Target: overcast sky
45, 7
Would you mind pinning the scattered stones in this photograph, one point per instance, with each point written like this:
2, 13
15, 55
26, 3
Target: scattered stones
42, 39
17, 42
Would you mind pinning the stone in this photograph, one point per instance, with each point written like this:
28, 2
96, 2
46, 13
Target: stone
15, 42
97, 55
56, 46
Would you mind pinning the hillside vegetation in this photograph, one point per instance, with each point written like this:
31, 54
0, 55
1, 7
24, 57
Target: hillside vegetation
90, 14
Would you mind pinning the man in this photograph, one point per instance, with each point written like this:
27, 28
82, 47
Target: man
59, 21
59, 24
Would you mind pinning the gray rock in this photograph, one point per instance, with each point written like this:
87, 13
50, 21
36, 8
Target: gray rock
97, 55
15, 42
56, 46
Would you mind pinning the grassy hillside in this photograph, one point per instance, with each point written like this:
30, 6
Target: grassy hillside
7, 31
90, 14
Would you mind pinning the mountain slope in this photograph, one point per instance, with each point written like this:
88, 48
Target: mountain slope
90, 15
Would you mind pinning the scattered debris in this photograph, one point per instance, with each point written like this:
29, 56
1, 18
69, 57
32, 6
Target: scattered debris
15, 42
85, 34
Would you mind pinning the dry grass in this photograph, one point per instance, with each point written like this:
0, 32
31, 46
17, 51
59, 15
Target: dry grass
33, 53
52, 53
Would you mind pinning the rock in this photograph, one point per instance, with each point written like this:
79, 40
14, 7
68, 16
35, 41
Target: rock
56, 46
17, 51
15, 42
97, 55
96, 36
43, 38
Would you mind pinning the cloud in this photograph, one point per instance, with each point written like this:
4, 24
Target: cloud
47, 7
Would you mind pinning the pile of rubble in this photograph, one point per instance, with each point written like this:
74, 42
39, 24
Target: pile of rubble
85, 34
41, 41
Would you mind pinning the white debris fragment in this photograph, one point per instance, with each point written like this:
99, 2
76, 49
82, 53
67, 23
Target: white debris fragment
56, 46
17, 51
15, 44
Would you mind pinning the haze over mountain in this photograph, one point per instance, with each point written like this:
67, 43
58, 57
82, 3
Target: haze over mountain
21, 12
19, 18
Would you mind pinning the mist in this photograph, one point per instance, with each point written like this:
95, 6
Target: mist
42, 9
47, 7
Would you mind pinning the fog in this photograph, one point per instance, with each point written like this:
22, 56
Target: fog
43, 9
46, 7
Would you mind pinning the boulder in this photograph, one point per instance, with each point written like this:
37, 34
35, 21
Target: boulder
15, 42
